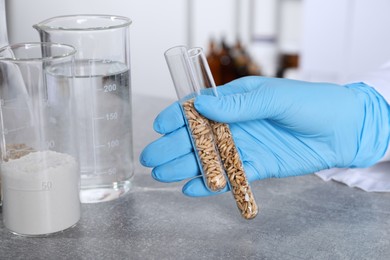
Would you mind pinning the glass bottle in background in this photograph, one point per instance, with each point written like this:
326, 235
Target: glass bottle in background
228, 69
214, 60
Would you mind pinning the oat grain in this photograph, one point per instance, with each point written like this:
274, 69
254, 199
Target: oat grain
206, 149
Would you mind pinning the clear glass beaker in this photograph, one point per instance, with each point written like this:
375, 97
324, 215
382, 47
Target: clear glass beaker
39, 169
103, 92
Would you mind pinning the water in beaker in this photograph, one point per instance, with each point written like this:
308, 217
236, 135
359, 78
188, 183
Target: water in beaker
103, 99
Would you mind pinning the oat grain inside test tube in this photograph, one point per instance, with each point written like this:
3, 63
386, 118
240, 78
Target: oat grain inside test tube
232, 163
201, 132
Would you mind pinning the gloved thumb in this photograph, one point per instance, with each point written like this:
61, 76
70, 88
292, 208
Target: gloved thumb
256, 104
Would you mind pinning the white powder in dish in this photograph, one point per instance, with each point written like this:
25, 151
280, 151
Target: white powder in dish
40, 193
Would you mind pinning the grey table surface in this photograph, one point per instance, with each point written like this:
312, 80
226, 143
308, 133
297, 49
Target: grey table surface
301, 218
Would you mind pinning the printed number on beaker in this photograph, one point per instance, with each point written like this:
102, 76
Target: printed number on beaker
47, 185
113, 143
50, 144
109, 88
112, 116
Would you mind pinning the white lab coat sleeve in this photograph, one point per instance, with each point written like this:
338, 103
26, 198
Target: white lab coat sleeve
377, 177
380, 80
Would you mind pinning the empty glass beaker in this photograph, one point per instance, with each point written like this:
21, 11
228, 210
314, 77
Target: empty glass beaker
103, 92
39, 169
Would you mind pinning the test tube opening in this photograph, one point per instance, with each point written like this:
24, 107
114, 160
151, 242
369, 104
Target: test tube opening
181, 71
201, 70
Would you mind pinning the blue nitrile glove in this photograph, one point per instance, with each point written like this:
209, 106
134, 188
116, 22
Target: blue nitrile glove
281, 128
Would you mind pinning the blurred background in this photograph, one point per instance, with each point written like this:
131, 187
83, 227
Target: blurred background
314, 40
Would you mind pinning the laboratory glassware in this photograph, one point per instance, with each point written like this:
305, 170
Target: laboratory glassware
232, 163
3, 25
185, 82
213, 143
39, 169
3, 42
103, 91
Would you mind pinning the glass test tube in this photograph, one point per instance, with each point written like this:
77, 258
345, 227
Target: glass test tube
238, 182
202, 136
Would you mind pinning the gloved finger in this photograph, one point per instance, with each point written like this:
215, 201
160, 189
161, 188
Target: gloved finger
240, 107
166, 148
246, 99
239, 100
179, 169
241, 85
196, 187
262, 98
170, 119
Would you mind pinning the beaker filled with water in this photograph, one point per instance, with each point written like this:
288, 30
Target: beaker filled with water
39, 169
103, 92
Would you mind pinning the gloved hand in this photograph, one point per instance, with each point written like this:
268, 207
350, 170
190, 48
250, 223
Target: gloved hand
281, 128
